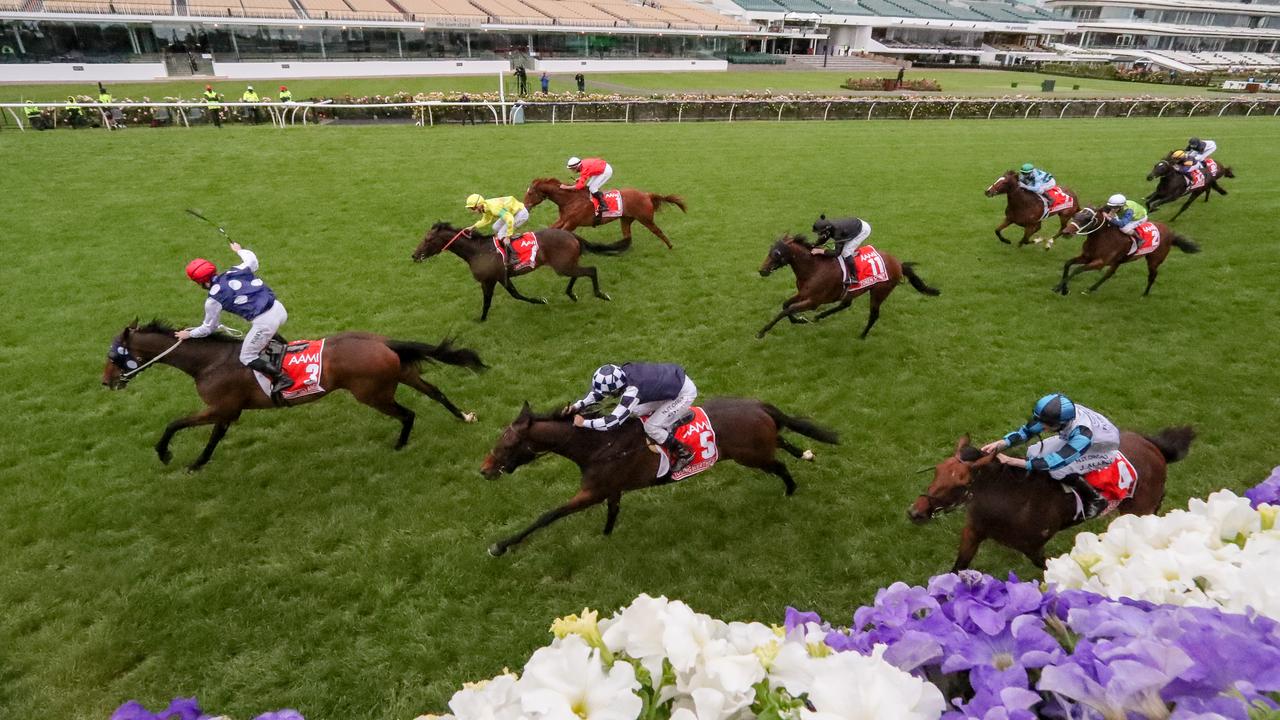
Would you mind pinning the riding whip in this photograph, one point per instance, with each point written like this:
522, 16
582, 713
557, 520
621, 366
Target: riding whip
197, 214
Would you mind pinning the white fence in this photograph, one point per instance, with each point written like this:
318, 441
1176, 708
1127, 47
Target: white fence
431, 113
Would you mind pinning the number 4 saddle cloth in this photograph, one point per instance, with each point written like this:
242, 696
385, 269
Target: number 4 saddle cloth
696, 434
1116, 483
302, 361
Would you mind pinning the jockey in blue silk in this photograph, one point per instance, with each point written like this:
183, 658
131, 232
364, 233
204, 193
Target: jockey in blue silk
661, 391
1124, 213
1083, 441
1037, 181
240, 291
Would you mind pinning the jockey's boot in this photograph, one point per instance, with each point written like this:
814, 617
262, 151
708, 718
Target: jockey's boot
279, 380
680, 455
599, 196
1093, 502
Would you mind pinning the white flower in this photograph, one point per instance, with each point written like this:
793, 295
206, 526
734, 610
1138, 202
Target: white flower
494, 699
637, 631
849, 686
569, 681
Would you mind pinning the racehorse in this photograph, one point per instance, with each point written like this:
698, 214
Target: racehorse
369, 366
1025, 208
1106, 246
576, 209
1173, 185
1024, 511
558, 248
616, 461
819, 281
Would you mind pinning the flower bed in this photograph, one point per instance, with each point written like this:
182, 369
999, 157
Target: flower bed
875, 83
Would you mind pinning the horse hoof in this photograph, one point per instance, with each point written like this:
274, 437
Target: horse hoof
194, 468
543, 301
165, 456
807, 455
468, 417
604, 296
572, 297
496, 550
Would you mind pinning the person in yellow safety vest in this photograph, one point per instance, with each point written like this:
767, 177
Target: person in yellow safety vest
75, 113
505, 213
250, 96
212, 104
105, 99
35, 116
285, 95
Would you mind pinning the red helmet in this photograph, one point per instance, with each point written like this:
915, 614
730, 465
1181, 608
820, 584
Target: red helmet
201, 270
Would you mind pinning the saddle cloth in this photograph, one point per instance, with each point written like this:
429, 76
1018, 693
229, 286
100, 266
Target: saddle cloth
1055, 199
612, 203
695, 433
1115, 483
868, 269
525, 247
301, 360
1147, 240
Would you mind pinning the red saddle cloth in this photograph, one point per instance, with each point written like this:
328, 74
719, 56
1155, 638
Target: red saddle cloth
1148, 238
700, 438
612, 203
1056, 200
525, 247
1195, 178
1211, 165
868, 269
1115, 482
303, 362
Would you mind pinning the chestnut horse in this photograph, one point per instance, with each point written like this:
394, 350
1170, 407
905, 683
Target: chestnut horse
819, 282
1024, 511
1026, 210
557, 248
1173, 185
1106, 246
369, 366
576, 209
612, 462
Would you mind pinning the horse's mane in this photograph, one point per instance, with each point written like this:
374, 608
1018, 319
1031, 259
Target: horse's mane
162, 327
544, 181
800, 239
969, 453
443, 225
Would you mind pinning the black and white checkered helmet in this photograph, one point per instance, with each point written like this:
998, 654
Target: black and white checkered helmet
609, 380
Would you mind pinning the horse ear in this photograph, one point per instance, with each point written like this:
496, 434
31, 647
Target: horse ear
963, 443
822, 216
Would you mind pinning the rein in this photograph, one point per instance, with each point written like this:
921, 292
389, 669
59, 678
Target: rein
451, 240
131, 374
1097, 216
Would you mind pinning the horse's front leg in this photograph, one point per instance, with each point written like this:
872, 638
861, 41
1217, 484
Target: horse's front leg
215, 437
583, 500
789, 309
611, 518
1061, 287
1007, 222
511, 289
1111, 270
204, 417
970, 539
486, 288
1186, 205
1027, 232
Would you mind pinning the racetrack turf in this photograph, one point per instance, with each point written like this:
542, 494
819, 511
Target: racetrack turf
310, 566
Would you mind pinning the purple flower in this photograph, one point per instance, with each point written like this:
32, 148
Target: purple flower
179, 709
1267, 491
796, 618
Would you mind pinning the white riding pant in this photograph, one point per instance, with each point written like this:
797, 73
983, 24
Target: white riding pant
265, 326
664, 414
851, 247
500, 225
1129, 228
597, 182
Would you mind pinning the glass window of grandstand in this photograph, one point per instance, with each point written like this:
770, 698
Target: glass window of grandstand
927, 39
23, 41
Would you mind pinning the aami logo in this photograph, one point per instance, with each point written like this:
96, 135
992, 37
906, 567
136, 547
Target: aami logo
301, 358
696, 427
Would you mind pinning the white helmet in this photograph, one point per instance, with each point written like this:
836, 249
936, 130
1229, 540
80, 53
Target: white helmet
1116, 200
573, 162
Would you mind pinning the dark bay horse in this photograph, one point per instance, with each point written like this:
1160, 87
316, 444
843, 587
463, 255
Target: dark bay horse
1173, 185
1023, 511
819, 282
368, 366
1106, 246
1025, 209
577, 211
748, 432
558, 248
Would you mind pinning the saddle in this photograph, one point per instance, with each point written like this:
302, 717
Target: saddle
277, 348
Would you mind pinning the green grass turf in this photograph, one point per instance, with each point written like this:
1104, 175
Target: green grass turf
985, 83
311, 566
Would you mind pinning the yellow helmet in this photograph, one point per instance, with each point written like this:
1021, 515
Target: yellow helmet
474, 200
1178, 154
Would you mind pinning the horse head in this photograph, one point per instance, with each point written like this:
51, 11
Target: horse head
1086, 221
514, 447
131, 350
1160, 169
781, 253
1003, 184
435, 241
952, 481
539, 190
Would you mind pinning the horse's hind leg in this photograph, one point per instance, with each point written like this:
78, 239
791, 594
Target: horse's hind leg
204, 417
382, 397
1153, 267
653, 228
1185, 205
611, 518
1216, 187
793, 450
1111, 270
486, 288
878, 294
583, 500
215, 437
587, 272
415, 381
776, 467
970, 539
844, 305
513, 292
625, 224
1027, 232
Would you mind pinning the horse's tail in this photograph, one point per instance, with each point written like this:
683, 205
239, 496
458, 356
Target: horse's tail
659, 200
1174, 442
908, 270
804, 426
1184, 244
413, 353
604, 248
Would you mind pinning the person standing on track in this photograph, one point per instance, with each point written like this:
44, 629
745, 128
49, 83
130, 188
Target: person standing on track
213, 106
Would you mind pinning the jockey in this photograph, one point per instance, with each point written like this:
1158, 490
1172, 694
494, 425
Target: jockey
1036, 180
1200, 149
593, 173
1084, 441
1183, 161
1124, 214
661, 391
239, 290
505, 213
848, 233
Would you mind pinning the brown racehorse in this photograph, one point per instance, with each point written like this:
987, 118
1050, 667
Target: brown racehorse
1024, 511
577, 211
1106, 246
1025, 208
1173, 185
619, 460
558, 248
819, 282
369, 366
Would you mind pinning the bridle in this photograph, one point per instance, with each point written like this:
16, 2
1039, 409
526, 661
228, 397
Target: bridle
1089, 227
941, 508
122, 357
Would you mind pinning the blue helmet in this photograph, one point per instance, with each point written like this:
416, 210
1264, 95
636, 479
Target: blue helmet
609, 380
1054, 410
